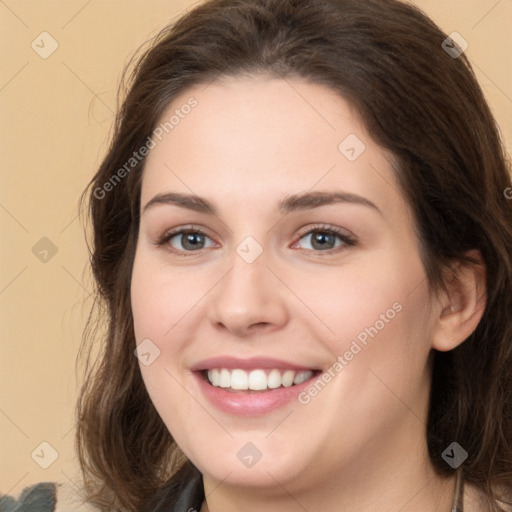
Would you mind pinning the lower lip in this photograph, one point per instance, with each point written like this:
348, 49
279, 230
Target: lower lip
247, 403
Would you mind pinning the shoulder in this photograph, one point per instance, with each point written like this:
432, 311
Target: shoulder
183, 491
37, 498
47, 497
70, 499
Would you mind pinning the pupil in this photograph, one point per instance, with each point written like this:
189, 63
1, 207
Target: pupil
193, 241
321, 240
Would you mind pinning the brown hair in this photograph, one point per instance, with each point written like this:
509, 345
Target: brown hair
418, 101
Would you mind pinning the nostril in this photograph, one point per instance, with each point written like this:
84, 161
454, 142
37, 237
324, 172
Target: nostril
260, 325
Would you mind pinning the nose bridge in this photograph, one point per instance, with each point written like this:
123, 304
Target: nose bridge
248, 279
249, 294
248, 263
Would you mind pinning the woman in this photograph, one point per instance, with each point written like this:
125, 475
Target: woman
303, 239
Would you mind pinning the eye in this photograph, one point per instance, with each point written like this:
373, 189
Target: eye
186, 240
324, 239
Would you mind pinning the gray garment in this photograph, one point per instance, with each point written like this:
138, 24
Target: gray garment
38, 498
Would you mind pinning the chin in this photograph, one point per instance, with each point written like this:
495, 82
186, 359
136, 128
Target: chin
252, 461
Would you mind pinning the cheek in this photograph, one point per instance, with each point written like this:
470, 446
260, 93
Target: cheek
362, 296
162, 297
154, 315
379, 355
167, 306
159, 314
374, 320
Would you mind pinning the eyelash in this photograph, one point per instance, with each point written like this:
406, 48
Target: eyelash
166, 238
347, 240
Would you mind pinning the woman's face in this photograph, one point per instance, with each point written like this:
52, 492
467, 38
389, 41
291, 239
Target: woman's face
276, 246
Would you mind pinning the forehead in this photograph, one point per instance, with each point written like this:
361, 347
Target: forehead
259, 137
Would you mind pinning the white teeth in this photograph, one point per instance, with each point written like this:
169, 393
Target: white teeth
213, 375
256, 380
274, 379
225, 379
239, 380
287, 378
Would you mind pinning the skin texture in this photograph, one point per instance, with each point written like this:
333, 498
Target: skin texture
360, 443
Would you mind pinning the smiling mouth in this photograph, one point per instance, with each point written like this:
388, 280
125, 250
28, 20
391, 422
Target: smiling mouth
257, 380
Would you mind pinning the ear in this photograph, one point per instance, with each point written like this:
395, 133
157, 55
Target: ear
461, 303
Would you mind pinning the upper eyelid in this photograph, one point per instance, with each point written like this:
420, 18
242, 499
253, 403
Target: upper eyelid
186, 228
326, 227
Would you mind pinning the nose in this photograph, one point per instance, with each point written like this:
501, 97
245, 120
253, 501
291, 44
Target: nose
249, 300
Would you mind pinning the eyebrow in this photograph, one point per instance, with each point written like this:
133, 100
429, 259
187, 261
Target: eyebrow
311, 200
291, 203
189, 201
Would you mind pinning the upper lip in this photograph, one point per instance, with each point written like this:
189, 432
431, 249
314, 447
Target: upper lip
252, 363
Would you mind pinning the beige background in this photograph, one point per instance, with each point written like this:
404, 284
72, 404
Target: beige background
56, 115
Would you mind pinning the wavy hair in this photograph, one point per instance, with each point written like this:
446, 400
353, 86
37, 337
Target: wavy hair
424, 105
